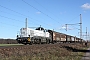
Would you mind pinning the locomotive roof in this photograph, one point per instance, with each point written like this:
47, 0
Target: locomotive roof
40, 28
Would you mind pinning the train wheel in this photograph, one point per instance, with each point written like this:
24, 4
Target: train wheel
47, 41
30, 43
25, 43
39, 41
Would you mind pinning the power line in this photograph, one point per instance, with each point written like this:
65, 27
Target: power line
13, 19
9, 24
56, 16
9, 13
46, 9
39, 10
73, 23
10, 18
23, 15
11, 10
74, 18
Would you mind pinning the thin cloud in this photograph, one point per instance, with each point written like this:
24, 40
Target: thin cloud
68, 28
86, 6
63, 12
38, 12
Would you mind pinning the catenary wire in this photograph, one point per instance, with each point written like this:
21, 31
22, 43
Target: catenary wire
47, 10
23, 15
40, 11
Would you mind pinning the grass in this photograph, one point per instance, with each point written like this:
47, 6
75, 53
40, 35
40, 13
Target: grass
42, 52
10, 44
49, 55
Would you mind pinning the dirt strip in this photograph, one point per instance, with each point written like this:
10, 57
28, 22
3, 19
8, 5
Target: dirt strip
87, 55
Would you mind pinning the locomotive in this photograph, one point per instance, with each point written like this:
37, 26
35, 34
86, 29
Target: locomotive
31, 36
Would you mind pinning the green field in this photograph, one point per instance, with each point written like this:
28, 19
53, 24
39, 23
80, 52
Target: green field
10, 44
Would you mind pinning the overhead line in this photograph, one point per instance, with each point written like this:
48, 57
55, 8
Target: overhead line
21, 14
13, 19
8, 13
72, 23
38, 10
73, 18
53, 14
47, 9
10, 18
15, 12
11, 10
9, 24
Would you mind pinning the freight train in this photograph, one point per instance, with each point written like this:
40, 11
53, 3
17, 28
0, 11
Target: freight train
41, 35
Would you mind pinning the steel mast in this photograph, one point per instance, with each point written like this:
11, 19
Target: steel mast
26, 26
80, 26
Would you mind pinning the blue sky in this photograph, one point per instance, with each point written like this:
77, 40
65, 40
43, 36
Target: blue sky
50, 14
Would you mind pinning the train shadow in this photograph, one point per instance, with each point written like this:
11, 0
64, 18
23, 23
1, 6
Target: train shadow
75, 50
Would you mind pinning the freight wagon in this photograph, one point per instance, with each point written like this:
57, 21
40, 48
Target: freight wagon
57, 37
61, 37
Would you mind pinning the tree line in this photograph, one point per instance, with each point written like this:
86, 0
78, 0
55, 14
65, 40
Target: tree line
8, 41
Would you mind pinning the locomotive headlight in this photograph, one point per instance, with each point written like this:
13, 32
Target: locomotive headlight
29, 39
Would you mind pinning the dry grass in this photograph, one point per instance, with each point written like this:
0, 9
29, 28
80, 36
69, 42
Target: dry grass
42, 52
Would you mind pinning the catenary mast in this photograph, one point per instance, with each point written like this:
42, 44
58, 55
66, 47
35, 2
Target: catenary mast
26, 26
80, 26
